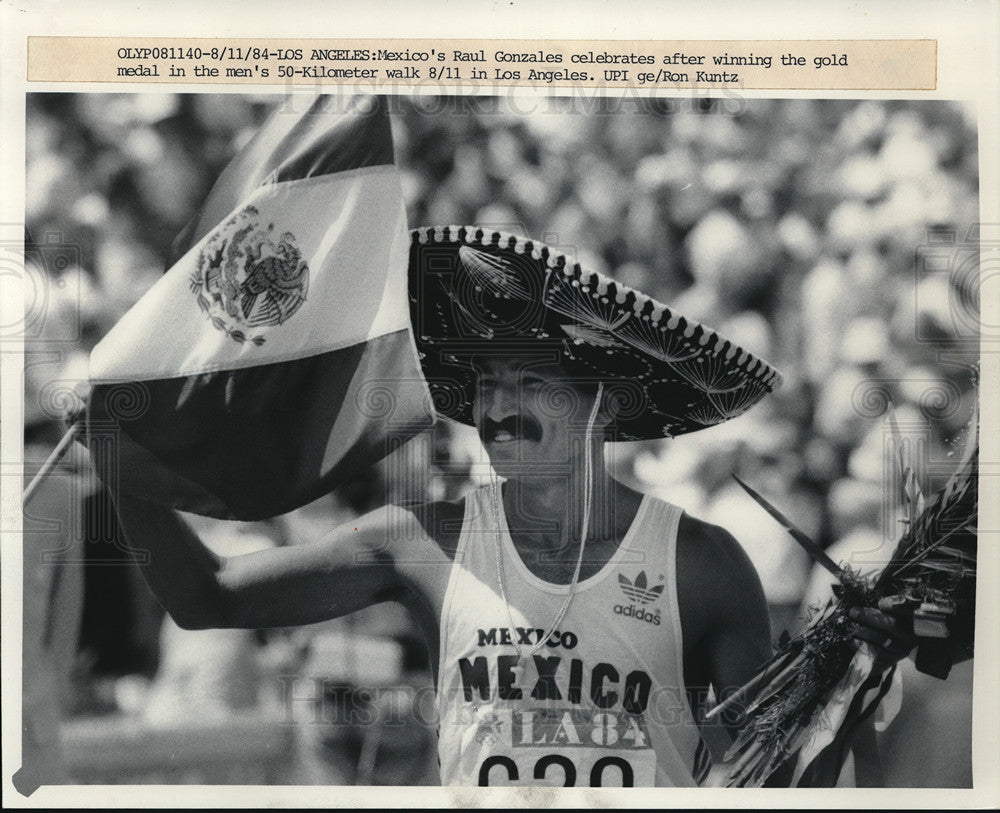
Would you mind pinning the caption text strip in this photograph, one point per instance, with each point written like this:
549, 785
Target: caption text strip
377, 63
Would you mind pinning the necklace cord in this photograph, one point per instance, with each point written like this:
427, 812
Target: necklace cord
588, 476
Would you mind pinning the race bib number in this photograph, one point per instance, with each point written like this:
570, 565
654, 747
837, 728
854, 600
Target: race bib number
565, 748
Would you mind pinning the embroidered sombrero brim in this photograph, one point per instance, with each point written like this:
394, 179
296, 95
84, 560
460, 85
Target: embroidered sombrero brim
475, 291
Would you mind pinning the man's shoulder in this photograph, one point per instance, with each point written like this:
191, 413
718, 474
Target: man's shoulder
700, 540
717, 586
711, 558
698, 530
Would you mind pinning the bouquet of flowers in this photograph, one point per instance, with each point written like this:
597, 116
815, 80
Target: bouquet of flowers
820, 685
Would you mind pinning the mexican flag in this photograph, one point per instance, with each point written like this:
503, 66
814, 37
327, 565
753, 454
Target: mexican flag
275, 358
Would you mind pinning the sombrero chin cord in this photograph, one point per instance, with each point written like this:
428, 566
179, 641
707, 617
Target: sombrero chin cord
588, 477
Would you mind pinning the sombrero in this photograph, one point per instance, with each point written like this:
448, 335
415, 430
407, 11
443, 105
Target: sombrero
474, 291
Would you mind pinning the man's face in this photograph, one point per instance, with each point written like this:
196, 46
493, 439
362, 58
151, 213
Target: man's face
528, 412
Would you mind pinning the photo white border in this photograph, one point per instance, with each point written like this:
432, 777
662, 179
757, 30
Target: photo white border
968, 69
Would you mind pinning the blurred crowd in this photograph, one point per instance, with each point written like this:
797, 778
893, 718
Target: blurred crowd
835, 238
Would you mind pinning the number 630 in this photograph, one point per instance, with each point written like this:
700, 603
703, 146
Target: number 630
568, 768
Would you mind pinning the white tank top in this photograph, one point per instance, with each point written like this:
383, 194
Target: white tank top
602, 703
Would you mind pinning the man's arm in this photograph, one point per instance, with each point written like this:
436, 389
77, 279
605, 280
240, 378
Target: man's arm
727, 630
724, 615
301, 584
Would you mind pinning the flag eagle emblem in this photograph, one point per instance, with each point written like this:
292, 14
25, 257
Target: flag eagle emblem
260, 402
248, 276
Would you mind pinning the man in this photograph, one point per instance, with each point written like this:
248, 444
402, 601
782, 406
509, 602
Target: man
574, 624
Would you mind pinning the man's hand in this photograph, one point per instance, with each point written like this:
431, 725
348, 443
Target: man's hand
899, 624
889, 629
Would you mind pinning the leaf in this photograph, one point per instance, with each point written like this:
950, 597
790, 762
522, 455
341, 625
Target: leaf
623, 579
239, 335
956, 553
772, 668
218, 323
789, 674
945, 567
813, 549
640, 580
656, 589
258, 340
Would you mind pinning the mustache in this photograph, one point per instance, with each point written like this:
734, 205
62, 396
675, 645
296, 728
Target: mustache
520, 426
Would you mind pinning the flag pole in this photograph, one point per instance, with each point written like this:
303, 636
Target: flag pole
51, 463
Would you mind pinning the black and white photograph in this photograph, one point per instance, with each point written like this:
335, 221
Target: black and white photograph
521, 439
810, 232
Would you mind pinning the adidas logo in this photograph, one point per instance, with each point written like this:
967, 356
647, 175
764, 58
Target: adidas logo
637, 591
